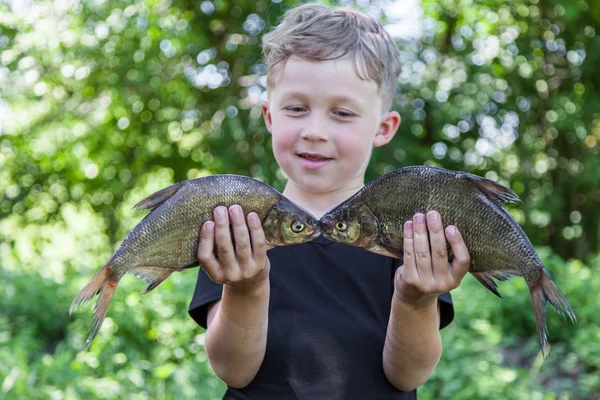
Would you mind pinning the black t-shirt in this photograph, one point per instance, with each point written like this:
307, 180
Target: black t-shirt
328, 315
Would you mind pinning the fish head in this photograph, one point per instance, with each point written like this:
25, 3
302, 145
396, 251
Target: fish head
287, 223
350, 223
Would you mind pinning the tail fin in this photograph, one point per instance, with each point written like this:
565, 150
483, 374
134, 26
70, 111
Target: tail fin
544, 290
103, 284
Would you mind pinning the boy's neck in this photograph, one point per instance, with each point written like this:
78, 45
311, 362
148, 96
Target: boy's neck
318, 203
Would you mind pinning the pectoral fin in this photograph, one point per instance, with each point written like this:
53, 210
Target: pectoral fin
393, 250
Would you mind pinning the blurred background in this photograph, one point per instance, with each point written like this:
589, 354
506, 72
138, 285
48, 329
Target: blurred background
103, 102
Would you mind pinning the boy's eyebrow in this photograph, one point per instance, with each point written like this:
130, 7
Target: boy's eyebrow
340, 98
350, 100
293, 94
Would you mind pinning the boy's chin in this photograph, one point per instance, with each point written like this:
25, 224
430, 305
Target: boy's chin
317, 185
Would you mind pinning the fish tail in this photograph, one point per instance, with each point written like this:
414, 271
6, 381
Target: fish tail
102, 284
544, 290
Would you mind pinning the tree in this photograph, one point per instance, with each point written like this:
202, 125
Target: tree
104, 102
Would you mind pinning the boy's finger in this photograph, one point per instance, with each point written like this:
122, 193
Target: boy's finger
225, 250
462, 259
257, 235
243, 251
422, 250
206, 256
409, 268
437, 239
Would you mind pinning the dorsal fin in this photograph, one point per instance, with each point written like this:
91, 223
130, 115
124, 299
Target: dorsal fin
156, 199
494, 191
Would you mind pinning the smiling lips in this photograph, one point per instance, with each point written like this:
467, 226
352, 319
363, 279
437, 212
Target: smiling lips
313, 161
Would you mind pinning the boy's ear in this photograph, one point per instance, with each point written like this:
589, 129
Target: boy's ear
387, 129
267, 115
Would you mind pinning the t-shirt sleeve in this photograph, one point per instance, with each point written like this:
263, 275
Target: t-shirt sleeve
446, 309
205, 293
445, 300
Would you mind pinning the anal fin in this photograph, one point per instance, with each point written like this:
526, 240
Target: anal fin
487, 279
153, 276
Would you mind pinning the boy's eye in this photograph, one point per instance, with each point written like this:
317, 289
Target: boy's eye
344, 114
296, 109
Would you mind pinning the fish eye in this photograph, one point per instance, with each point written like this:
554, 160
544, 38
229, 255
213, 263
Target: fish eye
297, 226
341, 226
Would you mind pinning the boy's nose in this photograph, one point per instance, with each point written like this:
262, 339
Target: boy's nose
317, 130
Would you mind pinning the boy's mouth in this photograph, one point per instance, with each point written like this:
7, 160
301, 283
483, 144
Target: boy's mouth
313, 157
313, 161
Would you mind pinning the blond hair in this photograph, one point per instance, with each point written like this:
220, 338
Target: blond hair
319, 32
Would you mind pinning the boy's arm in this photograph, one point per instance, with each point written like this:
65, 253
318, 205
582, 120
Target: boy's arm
236, 336
413, 344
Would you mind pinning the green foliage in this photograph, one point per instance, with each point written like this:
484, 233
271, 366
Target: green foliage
104, 102
491, 350
149, 347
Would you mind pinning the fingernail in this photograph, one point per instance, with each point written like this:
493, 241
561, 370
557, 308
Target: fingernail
220, 211
433, 216
236, 210
253, 216
408, 227
209, 226
419, 218
451, 230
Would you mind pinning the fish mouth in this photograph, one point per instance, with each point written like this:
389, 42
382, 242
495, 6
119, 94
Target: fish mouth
313, 230
316, 233
326, 225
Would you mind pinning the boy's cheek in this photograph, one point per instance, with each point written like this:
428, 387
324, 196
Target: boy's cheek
283, 140
282, 151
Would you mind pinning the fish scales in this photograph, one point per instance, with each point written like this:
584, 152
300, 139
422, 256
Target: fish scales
166, 239
460, 204
374, 218
182, 209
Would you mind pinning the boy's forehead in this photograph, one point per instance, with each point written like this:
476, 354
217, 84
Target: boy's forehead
299, 77
341, 68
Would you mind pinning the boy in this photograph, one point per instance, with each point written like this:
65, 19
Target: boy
327, 321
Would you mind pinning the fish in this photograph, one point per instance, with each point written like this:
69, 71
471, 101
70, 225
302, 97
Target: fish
166, 239
374, 217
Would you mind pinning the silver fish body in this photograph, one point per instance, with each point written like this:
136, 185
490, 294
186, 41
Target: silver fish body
166, 239
374, 218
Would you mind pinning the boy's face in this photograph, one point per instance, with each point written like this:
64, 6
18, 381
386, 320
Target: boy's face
325, 121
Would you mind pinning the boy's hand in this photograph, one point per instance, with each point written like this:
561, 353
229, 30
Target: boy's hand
241, 266
426, 272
